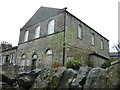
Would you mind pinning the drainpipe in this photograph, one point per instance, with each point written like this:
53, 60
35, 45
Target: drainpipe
64, 35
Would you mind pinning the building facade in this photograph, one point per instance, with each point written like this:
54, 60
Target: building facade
55, 35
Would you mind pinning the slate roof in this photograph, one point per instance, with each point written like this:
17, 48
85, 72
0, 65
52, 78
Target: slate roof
42, 14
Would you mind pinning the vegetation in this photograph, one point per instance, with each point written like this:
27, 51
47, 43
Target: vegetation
117, 47
56, 64
108, 63
57, 42
74, 64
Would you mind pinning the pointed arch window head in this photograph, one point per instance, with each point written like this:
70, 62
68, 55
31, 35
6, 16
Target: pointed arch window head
35, 56
79, 32
23, 56
102, 44
49, 52
93, 39
37, 32
51, 26
26, 36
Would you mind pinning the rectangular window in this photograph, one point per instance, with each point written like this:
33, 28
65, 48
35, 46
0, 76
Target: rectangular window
93, 39
79, 32
102, 44
11, 57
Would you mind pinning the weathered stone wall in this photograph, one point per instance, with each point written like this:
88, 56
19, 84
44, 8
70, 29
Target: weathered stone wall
85, 43
59, 26
96, 61
7, 53
42, 44
39, 47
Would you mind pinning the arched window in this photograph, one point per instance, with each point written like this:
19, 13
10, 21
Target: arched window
49, 57
51, 26
26, 36
49, 52
79, 32
34, 61
37, 32
102, 44
23, 61
93, 39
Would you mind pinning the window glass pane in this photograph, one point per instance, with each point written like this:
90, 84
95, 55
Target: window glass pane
93, 39
37, 32
23, 63
11, 57
51, 27
26, 36
49, 52
102, 44
80, 32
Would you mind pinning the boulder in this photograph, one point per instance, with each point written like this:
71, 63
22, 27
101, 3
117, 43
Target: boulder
95, 79
26, 79
80, 79
49, 78
104, 78
113, 76
67, 78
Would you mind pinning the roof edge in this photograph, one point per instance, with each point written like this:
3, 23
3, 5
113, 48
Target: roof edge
85, 24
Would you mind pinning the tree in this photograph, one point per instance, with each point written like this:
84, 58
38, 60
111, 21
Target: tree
57, 42
117, 47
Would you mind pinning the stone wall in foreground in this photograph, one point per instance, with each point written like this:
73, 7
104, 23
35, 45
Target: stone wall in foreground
61, 77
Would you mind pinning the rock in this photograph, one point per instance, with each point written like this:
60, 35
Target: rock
26, 79
80, 79
49, 78
8, 74
95, 79
56, 78
113, 76
9, 70
67, 78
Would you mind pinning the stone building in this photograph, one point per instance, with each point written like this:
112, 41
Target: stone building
7, 53
55, 35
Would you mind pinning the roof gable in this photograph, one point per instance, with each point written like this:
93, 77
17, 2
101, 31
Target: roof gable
42, 14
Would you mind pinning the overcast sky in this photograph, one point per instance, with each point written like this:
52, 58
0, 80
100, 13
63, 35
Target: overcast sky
101, 15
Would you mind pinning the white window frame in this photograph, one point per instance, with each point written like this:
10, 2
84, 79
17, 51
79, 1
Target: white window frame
79, 32
93, 39
37, 32
26, 36
51, 26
